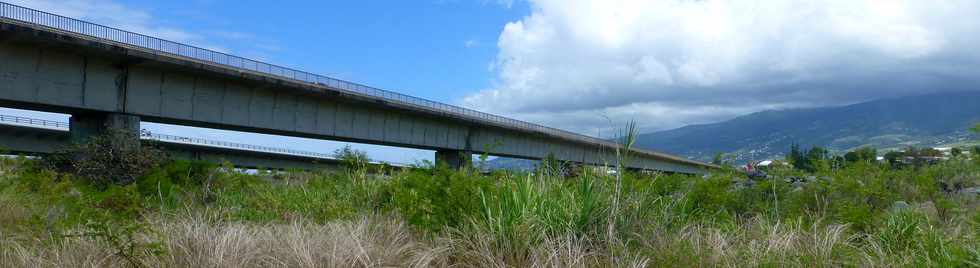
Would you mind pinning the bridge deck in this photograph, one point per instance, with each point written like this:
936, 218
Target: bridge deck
370, 109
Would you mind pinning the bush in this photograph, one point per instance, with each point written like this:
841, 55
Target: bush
355, 162
107, 159
712, 196
178, 173
908, 231
436, 198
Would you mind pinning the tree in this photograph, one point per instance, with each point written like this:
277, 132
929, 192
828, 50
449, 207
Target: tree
795, 157
863, 154
718, 159
817, 158
348, 155
894, 157
956, 151
929, 152
355, 161
976, 128
976, 154
921, 156
723, 159
838, 162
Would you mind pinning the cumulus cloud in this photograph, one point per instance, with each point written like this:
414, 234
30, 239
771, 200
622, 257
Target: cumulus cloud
590, 65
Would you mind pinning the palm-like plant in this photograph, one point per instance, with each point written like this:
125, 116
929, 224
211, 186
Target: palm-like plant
626, 142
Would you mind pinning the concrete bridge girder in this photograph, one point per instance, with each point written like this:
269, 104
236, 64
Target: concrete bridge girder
80, 78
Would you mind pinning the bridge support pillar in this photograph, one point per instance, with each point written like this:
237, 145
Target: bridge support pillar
455, 159
82, 127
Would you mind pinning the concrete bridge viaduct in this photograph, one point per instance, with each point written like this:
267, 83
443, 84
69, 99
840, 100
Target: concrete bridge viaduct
38, 137
110, 78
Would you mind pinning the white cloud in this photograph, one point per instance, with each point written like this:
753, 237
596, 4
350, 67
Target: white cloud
671, 62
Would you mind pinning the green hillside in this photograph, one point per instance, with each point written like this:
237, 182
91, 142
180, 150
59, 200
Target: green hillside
926, 120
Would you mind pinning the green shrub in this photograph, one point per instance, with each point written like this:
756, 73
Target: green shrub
107, 159
901, 230
712, 196
668, 184
576, 207
355, 162
761, 199
164, 183
435, 198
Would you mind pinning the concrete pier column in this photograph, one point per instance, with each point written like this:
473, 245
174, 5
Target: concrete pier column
455, 159
83, 126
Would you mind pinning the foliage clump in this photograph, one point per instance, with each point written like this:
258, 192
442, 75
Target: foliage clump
355, 162
114, 158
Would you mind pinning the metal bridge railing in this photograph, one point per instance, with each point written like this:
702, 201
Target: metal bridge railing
231, 145
160, 46
32, 121
174, 139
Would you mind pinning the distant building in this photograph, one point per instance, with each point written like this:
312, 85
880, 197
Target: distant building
767, 164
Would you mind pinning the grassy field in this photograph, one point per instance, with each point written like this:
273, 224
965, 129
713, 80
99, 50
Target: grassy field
198, 215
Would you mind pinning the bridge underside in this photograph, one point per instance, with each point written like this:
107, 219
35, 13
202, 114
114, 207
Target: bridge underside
41, 141
111, 84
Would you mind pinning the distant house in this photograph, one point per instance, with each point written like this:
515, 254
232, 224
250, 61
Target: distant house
767, 164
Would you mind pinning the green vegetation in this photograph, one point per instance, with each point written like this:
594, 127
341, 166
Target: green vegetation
813, 160
355, 162
185, 214
104, 160
863, 154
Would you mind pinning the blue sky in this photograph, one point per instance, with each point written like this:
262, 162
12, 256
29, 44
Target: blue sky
587, 66
436, 49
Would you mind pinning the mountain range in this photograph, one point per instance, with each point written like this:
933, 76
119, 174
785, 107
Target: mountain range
932, 120
939, 119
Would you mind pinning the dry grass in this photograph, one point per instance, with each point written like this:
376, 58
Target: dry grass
380, 241
199, 242
481, 250
757, 242
365, 242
